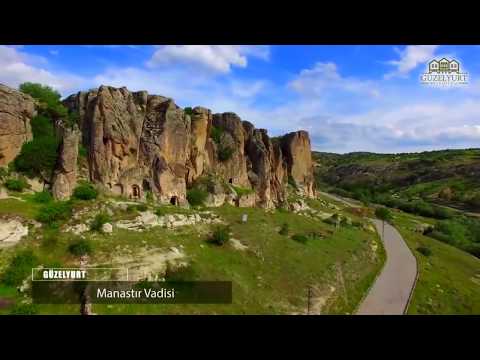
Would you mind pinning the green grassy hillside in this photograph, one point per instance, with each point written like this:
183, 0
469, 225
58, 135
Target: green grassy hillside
447, 177
271, 275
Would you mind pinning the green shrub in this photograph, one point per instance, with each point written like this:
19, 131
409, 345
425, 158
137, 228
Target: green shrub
16, 184
149, 196
383, 214
72, 119
80, 247
142, 207
241, 191
24, 309
82, 151
54, 212
291, 181
425, 251
282, 210
98, 221
3, 172
188, 110
225, 153
159, 212
19, 268
314, 235
442, 213
50, 240
37, 157
131, 208
221, 234
473, 249
85, 192
424, 209
300, 238
43, 197
216, 134
196, 197
42, 127
284, 229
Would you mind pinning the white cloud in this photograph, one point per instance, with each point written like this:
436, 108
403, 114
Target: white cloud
407, 127
324, 77
215, 58
17, 67
54, 52
410, 58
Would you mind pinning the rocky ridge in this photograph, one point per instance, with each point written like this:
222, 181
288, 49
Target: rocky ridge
142, 145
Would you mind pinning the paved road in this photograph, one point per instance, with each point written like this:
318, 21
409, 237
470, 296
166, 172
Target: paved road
391, 291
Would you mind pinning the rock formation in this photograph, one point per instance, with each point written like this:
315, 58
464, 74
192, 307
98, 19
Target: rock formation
16, 111
143, 145
65, 174
296, 147
139, 143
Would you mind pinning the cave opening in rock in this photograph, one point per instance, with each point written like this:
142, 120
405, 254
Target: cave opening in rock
174, 200
230, 181
146, 185
135, 191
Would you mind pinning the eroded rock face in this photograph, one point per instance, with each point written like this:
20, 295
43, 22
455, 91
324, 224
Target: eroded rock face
65, 175
266, 168
140, 143
298, 154
199, 159
16, 112
233, 169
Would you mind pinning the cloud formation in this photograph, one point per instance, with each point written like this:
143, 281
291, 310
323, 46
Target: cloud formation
17, 67
216, 58
410, 58
324, 77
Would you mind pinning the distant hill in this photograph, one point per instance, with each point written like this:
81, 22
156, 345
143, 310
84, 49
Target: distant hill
448, 177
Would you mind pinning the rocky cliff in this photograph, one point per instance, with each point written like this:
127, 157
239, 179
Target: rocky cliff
16, 111
65, 174
141, 144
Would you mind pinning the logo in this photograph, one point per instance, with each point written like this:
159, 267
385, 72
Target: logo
444, 72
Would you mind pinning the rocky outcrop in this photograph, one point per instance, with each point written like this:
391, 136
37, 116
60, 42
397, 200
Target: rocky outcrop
139, 144
16, 111
65, 174
266, 168
201, 121
298, 154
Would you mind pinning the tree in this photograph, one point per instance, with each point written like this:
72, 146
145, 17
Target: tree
38, 157
385, 215
48, 98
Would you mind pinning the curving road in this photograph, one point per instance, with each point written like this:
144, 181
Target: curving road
391, 291
345, 201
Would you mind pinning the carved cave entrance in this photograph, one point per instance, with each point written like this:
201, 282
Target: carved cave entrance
174, 200
135, 191
230, 181
146, 185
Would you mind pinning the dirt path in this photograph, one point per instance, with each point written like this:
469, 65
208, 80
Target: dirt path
345, 201
391, 291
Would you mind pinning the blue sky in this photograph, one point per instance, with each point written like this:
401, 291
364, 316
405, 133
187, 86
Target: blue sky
350, 98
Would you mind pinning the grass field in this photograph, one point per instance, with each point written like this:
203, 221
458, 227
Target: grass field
449, 279
270, 277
